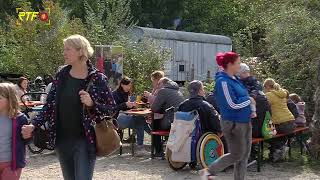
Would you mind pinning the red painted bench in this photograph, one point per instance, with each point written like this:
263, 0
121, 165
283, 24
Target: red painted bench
157, 133
296, 133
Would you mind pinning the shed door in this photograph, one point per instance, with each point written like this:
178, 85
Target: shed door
181, 61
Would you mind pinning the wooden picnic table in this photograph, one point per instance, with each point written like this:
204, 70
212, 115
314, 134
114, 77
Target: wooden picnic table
136, 112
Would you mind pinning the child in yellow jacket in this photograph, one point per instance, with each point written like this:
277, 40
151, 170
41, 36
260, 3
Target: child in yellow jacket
281, 117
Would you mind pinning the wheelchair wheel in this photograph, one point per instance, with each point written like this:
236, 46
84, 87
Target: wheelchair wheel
209, 149
174, 165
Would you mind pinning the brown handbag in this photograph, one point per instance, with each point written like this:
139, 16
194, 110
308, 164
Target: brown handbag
107, 138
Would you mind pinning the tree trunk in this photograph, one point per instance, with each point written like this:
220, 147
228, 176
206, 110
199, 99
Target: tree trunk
315, 127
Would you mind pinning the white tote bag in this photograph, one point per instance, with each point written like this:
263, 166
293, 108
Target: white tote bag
184, 155
181, 130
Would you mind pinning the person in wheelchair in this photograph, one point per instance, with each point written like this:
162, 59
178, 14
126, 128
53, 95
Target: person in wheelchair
167, 97
209, 117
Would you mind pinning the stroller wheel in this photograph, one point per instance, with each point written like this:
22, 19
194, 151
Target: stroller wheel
209, 149
174, 165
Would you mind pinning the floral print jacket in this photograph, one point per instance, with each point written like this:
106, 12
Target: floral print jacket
100, 93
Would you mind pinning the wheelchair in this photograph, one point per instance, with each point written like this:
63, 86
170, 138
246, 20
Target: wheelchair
206, 147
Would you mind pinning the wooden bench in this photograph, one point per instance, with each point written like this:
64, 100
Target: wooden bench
160, 133
298, 132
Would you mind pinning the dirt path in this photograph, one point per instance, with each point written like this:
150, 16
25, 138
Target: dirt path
125, 167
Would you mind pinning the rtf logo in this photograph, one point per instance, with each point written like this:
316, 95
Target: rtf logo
28, 16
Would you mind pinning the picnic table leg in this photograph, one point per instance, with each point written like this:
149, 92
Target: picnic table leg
260, 156
120, 132
133, 135
289, 145
152, 146
300, 139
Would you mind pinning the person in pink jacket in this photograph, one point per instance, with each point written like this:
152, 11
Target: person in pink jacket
300, 120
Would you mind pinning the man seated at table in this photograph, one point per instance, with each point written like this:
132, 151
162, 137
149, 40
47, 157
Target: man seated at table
168, 96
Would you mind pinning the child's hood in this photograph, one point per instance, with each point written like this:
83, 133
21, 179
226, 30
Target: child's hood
280, 93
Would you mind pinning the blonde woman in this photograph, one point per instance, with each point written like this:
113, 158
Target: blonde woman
71, 131
281, 117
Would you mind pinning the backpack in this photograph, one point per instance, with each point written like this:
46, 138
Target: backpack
268, 129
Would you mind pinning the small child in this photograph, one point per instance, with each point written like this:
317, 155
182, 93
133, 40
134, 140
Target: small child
250, 82
12, 142
300, 120
253, 86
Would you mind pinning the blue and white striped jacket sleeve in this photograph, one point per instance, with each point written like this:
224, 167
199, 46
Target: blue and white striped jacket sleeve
233, 101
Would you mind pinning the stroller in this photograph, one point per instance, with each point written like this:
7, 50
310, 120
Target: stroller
188, 145
31, 108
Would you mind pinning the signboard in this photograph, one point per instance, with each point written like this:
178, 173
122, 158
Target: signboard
109, 60
30, 16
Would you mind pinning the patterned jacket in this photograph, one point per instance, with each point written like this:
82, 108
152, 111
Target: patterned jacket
100, 93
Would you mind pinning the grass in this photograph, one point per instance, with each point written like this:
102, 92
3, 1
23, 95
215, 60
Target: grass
305, 161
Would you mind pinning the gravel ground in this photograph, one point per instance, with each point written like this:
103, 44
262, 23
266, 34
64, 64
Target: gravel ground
46, 166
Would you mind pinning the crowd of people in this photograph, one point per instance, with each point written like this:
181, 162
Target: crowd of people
79, 94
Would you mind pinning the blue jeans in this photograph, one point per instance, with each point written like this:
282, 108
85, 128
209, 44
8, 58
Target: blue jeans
77, 159
134, 122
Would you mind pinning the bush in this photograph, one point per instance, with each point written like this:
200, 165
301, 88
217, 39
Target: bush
141, 59
34, 48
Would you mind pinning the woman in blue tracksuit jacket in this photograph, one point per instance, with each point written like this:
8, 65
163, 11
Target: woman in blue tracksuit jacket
234, 103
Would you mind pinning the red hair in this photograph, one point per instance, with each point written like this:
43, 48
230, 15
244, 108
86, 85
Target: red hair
223, 59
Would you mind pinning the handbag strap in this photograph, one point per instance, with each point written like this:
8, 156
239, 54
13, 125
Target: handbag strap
85, 108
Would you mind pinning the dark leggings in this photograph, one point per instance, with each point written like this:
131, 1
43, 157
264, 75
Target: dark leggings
156, 125
283, 128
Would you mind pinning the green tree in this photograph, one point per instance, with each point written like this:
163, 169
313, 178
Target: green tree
157, 13
34, 48
106, 20
213, 16
141, 59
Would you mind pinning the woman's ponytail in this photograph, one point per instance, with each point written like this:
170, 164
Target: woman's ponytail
276, 86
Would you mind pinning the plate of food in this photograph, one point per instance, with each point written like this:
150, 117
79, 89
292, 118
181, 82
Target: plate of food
138, 109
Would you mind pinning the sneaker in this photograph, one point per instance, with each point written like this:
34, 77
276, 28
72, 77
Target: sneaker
284, 150
160, 155
205, 175
141, 151
252, 162
277, 155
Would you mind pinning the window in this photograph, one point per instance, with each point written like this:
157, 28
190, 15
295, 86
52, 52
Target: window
181, 68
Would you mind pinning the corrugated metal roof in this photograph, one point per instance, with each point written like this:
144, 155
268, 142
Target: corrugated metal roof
140, 32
